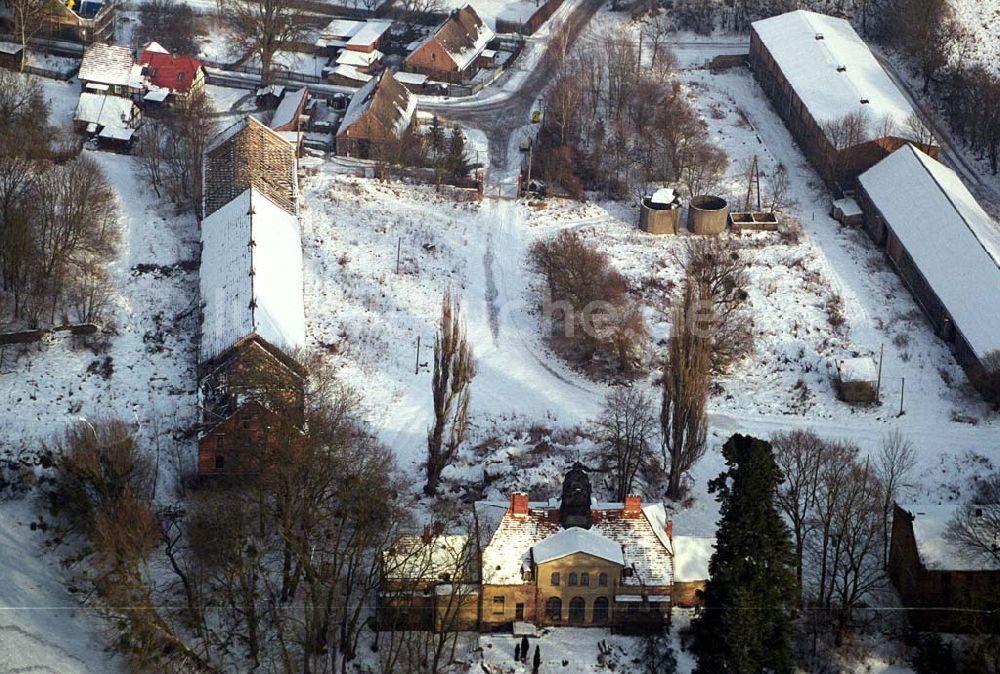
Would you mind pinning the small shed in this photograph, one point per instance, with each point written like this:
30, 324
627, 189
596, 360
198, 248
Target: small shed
660, 212
857, 380
691, 556
10, 55
116, 139
847, 212
270, 96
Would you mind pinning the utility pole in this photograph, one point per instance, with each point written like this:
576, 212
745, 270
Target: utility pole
878, 384
531, 148
399, 245
901, 389
416, 368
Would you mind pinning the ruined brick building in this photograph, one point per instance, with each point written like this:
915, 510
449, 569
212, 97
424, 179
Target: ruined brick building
251, 383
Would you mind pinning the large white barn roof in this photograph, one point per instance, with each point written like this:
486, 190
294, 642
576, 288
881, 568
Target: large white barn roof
810, 65
951, 239
251, 276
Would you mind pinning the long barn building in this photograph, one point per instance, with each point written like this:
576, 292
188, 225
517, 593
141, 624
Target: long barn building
835, 98
253, 321
945, 247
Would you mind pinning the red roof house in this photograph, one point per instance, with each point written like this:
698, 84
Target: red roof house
171, 72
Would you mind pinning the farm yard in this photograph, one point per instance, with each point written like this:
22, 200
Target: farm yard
382, 242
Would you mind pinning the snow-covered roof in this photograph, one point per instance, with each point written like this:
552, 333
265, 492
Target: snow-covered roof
110, 64
290, 103
251, 276
811, 48
116, 133
155, 47
105, 110
156, 95
11, 48
348, 57
930, 523
463, 36
857, 370
392, 105
508, 542
951, 239
849, 207
691, 556
351, 73
441, 558
415, 79
576, 540
339, 30
271, 90
369, 33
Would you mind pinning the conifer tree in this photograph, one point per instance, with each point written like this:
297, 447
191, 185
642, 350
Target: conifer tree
458, 165
746, 625
524, 649
517, 652
536, 662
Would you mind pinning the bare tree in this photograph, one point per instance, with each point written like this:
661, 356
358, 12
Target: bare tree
171, 24
625, 430
686, 378
917, 131
975, 528
454, 369
894, 465
800, 455
718, 265
263, 28
28, 17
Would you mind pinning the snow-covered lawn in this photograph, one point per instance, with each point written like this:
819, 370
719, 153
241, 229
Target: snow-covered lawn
42, 627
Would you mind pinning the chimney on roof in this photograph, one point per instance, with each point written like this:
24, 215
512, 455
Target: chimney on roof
633, 505
519, 503
670, 530
426, 536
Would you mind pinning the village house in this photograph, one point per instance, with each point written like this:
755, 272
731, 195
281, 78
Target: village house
108, 68
945, 247
170, 76
253, 318
943, 588
112, 120
835, 98
85, 21
429, 582
382, 110
452, 53
570, 561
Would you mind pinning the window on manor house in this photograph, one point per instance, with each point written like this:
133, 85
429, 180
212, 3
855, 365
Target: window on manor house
602, 580
498, 603
572, 579
585, 578
555, 578
220, 461
220, 443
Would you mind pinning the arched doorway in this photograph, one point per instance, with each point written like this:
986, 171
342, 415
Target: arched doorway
577, 611
601, 610
553, 609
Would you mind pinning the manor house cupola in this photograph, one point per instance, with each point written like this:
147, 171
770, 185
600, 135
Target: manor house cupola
574, 509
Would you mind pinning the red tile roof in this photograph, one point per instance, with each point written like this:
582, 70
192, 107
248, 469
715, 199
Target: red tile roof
170, 71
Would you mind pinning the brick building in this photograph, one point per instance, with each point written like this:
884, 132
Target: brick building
452, 52
252, 387
943, 588
380, 111
835, 98
931, 227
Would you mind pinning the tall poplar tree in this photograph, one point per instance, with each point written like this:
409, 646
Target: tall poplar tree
746, 625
